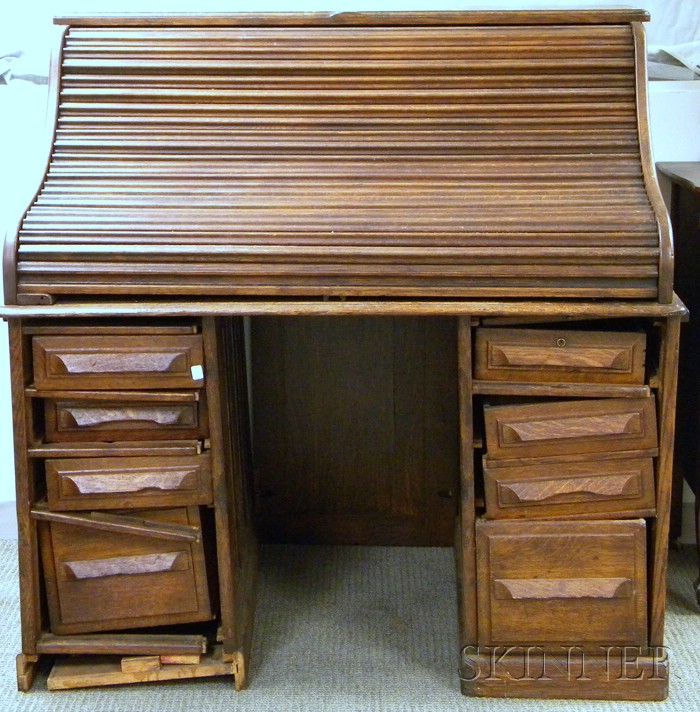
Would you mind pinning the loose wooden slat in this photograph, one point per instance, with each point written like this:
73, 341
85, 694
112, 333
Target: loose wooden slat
121, 644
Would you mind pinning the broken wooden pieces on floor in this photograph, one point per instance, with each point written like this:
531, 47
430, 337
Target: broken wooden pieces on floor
76, 672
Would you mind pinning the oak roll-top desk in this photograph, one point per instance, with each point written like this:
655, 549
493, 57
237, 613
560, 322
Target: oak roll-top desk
465, 204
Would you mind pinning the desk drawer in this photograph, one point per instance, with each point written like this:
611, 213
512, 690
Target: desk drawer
109, 580
562, 583
105, 421
570, 427
124, 482
588, 488
543, 355
117, 362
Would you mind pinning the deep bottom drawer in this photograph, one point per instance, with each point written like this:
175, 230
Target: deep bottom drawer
562, 583
106, 580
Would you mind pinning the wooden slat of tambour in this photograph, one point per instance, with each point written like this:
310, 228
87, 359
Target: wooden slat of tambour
452, 238
247, 194
309, 81
145, 193
416, 140
282, 136
236, 48
158, 167
329, 39
101, 37
315, 109
331, 96
351, 254
309, 289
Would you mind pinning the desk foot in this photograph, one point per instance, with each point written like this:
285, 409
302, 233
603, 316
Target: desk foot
26, 671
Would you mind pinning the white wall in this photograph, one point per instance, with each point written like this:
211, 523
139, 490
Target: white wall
675, 106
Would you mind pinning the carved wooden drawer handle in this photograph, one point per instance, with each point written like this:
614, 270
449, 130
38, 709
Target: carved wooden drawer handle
127, 565
82, 417
117, 361
539, 589
622, 485
180, 478
588, 357
576, 427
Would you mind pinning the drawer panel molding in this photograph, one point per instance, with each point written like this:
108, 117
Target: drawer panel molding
570, 427
104, 420
117, 362
560, 356
116, 482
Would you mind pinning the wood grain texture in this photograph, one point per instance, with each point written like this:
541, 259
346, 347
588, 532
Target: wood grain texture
111, 580
141, 663
618, 673
131, 524
366, 157
26, 487
664, 478
541, 310
466, 536
75, 673
650, 179
356, 430
124, 482
388, 166
116, 362
594, 487
561, 356
26, 667
122, 644
237, 546
88, 420
562, 583
570, 427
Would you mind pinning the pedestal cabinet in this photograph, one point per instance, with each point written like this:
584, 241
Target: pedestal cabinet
431, 247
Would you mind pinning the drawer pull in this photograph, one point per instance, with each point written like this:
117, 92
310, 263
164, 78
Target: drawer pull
122, 481
538, 589
623, 485
575, 427
127, 565
125, 361
560, 357
78, 417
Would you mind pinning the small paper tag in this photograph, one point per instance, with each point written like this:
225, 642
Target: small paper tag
197, 373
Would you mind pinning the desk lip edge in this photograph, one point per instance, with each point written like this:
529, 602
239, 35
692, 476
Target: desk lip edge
564, 309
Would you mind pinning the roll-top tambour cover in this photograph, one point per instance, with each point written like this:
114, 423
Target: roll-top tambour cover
401, 155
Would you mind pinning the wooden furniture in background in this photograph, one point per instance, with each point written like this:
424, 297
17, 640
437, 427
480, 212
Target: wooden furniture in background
432, 249
685, 218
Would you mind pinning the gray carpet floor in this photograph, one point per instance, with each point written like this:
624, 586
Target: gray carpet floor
348, 628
